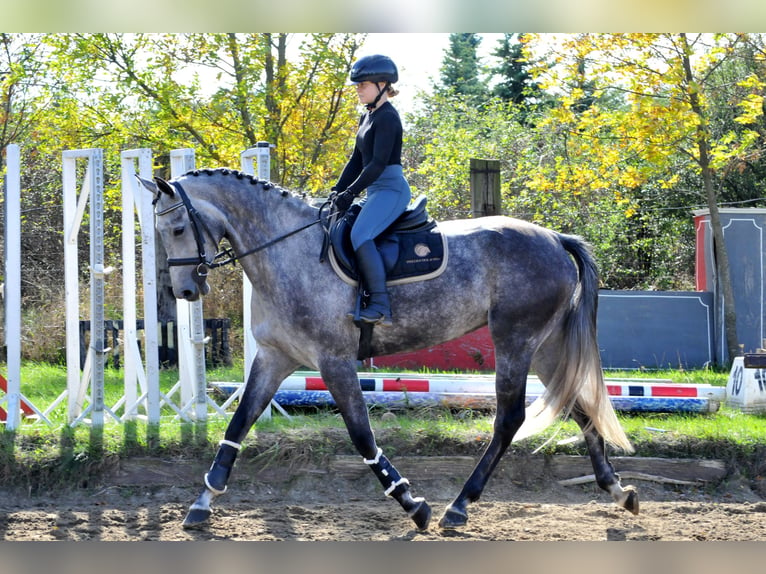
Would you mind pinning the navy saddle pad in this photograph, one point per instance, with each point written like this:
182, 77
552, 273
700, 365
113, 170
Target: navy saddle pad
412, 247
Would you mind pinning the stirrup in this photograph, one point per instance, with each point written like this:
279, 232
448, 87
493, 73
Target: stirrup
383, 320
377, 313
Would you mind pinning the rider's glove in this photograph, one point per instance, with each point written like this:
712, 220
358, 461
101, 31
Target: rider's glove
343, 200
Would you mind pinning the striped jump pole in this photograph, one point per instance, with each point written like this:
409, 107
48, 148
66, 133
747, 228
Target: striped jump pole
478, 392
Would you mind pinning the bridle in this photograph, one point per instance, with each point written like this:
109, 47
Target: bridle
222, 257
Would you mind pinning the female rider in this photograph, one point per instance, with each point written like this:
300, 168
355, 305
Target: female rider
376, 166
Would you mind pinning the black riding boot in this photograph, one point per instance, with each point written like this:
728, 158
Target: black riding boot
373, 276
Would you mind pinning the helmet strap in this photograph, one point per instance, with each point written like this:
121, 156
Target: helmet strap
374, 104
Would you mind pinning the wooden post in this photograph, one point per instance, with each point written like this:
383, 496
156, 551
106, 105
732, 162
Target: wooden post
485, 187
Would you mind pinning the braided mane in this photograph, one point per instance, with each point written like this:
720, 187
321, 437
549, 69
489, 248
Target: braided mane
267, 185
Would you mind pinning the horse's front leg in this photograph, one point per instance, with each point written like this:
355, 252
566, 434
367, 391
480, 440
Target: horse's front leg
267, 373
343, 383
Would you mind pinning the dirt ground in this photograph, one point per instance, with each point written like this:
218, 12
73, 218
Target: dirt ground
144, 503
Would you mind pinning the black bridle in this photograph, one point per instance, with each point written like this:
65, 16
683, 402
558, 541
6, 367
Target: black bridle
199, 228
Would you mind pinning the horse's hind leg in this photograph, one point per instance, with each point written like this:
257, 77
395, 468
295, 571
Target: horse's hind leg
606, 477
343, 383
266, 374
510, 390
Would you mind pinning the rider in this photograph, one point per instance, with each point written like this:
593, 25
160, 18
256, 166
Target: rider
375, 165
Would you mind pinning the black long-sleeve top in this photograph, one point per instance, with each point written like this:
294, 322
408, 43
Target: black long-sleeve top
378, 145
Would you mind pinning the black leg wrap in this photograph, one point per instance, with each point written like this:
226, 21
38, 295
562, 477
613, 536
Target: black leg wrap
218, 475
393, 483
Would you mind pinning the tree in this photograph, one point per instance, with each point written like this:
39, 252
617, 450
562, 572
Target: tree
30, 98
218, 93
663, 130
744, 182
461, 69
21, 61
438, 146
221, 93
516, 83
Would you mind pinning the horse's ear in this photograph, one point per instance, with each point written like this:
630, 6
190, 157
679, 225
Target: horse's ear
164, 187
147, 183
157, 186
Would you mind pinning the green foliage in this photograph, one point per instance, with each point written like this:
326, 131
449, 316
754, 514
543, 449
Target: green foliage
439, 145
611, 152
461, 69
594, 133
516, 83
218, 93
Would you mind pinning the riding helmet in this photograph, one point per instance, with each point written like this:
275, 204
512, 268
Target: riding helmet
375, 68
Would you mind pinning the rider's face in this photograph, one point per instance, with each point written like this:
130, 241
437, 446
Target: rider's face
367, 92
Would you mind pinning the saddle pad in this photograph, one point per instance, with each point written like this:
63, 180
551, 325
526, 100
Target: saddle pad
422, 255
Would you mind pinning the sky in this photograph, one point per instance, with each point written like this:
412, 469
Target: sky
418, 57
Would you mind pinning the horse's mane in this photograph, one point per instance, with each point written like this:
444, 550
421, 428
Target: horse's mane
266, 185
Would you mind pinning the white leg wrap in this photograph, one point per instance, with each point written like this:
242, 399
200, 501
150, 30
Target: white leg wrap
214, 490
375, 460
231, 444
393, 486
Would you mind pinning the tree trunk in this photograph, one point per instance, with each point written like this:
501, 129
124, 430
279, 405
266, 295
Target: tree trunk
721, 255
241, 91
275, 88
722, 266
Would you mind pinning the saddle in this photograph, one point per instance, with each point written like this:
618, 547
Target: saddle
413, 248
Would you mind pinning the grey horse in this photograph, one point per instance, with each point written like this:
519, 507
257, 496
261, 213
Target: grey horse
536, 289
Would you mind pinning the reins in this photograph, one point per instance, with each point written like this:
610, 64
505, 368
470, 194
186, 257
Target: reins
199, 228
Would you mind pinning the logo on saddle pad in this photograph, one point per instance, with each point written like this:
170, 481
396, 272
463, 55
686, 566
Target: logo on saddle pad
413, 248
421, 250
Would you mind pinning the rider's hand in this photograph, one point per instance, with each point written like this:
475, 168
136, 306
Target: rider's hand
343, 200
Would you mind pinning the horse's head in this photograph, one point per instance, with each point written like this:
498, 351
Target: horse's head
186, 235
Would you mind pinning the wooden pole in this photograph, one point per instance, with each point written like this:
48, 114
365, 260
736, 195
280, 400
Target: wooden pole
485, 187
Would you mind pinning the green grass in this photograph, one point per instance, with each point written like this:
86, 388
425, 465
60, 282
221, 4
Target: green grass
37, 456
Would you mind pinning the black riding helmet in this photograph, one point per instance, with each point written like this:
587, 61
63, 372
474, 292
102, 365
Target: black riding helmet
375, 68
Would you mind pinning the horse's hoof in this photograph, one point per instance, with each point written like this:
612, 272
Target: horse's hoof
453, 518
196, 518
422, 515
631, 500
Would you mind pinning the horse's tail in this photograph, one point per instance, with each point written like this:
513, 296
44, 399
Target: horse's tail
573, 358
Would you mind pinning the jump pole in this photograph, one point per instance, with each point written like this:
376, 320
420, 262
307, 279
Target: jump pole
486, 401
12, 287
191, 327
135, 201
255, 161
74, 209
478, 391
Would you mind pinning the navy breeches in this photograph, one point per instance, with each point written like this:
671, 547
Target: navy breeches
386, 200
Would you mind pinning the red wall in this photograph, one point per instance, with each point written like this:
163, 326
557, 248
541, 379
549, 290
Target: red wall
471, 352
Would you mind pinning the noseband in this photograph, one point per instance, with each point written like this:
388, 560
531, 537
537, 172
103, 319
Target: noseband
199, 228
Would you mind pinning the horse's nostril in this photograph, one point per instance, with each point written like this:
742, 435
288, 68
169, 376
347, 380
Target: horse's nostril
189, 295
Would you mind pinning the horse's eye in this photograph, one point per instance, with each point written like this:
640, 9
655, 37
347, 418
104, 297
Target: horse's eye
178, 231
